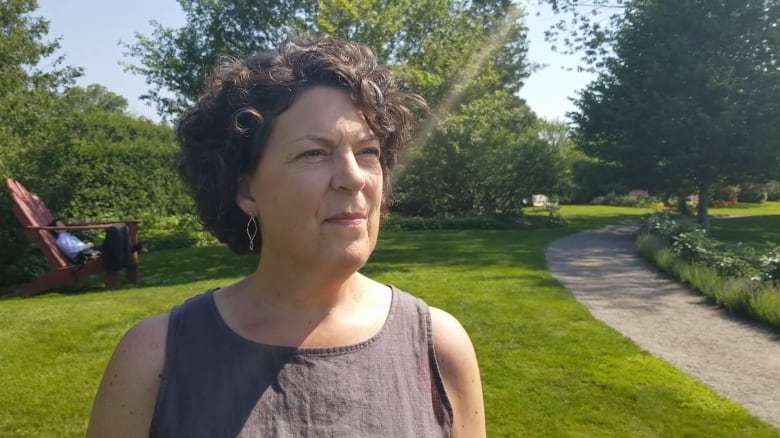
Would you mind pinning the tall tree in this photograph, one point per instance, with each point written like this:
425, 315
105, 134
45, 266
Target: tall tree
30, 75
429, 42
175, 61
689, 96
466, 57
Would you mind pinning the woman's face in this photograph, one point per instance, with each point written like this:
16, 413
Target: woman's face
318, 187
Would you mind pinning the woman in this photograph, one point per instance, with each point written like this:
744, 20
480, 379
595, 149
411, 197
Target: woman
288, 155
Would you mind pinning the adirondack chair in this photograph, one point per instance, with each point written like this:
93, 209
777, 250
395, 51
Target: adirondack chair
35, 217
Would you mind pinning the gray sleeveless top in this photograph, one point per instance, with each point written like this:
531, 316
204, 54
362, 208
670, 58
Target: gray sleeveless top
217, 383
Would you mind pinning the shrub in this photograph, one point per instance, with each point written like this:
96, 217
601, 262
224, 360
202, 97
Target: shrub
772, 190
760, 299
722, 195
752, 193
626, 201
692, 244
84, 182
412, 223
769, 263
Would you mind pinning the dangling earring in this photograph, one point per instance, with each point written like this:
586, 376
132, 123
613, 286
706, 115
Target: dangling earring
251, 232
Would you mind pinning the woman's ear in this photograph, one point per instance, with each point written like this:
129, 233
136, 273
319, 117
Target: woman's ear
244, 198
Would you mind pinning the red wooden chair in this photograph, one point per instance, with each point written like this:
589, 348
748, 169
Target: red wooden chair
35, 217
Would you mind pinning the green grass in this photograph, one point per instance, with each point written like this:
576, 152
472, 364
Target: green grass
549, 368
754, 224
754, 230
745, 209
581, 217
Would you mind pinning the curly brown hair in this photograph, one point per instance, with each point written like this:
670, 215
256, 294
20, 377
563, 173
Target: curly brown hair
223, 137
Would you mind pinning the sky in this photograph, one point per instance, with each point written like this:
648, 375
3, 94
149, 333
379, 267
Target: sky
90, 32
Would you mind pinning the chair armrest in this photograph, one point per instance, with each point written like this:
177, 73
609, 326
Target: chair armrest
72, 227
123, 221
85, 226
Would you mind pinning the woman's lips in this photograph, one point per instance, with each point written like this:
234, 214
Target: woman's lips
347, 219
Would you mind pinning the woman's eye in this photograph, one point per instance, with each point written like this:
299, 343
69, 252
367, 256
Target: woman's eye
314, 153
371, 151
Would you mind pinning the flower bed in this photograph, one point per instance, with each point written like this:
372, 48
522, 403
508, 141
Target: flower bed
741, 278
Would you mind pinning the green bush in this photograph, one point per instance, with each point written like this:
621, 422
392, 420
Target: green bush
122, 180
694, 245
625, 200
772, 190
739, 294
84, 182
752, 193
407, 223
173, 232
723, 194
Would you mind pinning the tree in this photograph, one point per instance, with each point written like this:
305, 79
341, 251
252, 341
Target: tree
27, 89
30, 76
429, 42
175, 61
689, 96
586, 28
94, 97
467, 58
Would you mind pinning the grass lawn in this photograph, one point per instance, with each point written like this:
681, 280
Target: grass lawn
549, 368
764, 209
581, 217
755, 230
754, 224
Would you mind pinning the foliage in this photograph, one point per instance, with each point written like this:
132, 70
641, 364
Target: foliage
94, 97
723, 195
173, 232
108, 181
593, 178
773, 190
752, 192
625, 200
104, 127
587, 29
688, 96
759, 299
692, 244
480, 152
95, 181
31, 117
80, 164
429, 42
73, 146
483, 160
548, 367
404, 223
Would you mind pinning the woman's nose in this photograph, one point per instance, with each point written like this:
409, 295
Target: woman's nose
348, 175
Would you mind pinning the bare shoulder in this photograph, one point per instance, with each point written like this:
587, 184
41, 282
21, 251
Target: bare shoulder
125, 399
460, 374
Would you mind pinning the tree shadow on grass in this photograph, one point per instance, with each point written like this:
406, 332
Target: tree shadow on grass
396, 252
465, 250
749, 229
175, 267
582, 223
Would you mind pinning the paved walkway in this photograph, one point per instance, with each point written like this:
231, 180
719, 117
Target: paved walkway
737, 359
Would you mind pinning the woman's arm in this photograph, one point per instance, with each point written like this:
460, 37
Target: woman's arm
125, 399
460, 373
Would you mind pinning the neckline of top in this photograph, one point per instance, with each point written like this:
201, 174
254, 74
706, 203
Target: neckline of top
317, 351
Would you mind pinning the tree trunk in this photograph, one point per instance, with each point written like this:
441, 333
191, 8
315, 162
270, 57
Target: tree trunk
682, 204
701, 209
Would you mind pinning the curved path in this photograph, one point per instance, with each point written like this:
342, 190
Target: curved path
736, 358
